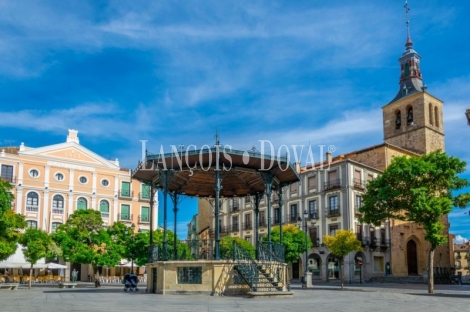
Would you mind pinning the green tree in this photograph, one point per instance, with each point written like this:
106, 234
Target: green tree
37, 244
10, 222
293, 239
226, 247
84, 240
341, 245
419, 189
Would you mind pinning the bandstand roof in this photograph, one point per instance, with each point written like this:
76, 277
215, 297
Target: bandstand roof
242, 172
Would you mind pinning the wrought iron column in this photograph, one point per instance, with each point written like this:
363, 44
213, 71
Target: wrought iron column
152, 202
164, 173
175, 211
218, 187
268, 180
280, 199
257, 197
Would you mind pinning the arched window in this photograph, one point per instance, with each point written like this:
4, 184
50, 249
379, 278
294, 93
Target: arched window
104, 208
397, 120
436, 116
81, 203
409, 115
32, 224
32, 202
58, 204
430, 114
54, 226
407, 69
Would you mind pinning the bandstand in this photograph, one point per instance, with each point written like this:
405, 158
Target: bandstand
217, 172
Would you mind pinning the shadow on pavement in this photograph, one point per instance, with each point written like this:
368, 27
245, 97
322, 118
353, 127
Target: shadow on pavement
466, 296
96, 290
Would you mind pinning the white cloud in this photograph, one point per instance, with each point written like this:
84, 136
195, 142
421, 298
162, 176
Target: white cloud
459, 239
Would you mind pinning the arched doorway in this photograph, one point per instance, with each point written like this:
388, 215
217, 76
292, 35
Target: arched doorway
314, 265
412, 257
333, 267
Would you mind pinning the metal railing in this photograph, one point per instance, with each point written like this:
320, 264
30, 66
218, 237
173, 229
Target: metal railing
359, 184
331, 185
105, 215
235, 227
126, 193
143, 196
247, 225
124, 216
356, 209
263, 222
32, 208
11, 180
58, 210
291, 218
144, 218
333, 211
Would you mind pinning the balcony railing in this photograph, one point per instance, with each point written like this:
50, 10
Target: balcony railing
359, 236
331, 185
356, 209
126, 193
276, 220
263, 223
144, 218
142, 196
32, 208
58, 210
235, 227
291, 218
105, 215
359, 184
222, 230
385, 243
12, 180
234, 208
124, 217
365, 241
313, 215
333, 211
247, 225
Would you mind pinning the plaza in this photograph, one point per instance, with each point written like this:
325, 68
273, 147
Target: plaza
323, 297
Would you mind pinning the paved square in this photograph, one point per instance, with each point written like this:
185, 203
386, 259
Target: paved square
322, 298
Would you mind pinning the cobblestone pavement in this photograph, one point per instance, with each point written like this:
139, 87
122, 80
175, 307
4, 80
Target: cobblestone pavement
381, 297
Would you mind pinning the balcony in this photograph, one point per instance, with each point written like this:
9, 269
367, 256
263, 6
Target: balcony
235, 227
234, 208
222, 230
144, 218
384, 243
356, 209
58, 210
359, 236
10, 179
359, 184
332, 185
263, 223
313, 215
291, 218
142, 196
125, 217
275, 221
126, 193
105, 215
32, 208
247, 225
333, 211
365, 240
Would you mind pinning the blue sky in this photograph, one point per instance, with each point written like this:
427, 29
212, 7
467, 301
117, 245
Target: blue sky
292, 72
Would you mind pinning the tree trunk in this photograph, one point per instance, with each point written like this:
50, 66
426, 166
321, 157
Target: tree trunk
341, 260
97, 277
30, 276
431, 270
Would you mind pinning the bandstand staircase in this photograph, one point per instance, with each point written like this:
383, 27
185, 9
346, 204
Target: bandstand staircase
264, 274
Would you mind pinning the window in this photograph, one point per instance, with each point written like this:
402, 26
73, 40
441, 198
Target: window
436, 116
397, 120
358, 201
83, 180
104, 208
58, 204
247, 199
409, 116
378, 264
32, 202
312, 207
430, 114
262, 218
125, 212
370, 176
144, 214
312, 183
357, 179
104, 182
32, 224
293, 213
333, 202
54, 226
277, 218
333, 229
82, 203
235, 203
359, 232
59, 176
34, 173
313, 236
293, 187
145, 191
125, 189
234, 223
248, 224
7, 173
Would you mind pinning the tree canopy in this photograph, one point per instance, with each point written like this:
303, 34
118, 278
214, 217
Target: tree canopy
226, 247
419, 189
341, 245
293, 240
10, 222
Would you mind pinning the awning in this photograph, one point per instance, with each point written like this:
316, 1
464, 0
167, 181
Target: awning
50, 266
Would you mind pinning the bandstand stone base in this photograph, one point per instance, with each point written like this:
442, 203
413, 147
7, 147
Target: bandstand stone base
216, 278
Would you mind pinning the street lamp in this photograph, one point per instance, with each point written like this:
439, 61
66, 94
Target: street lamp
304, 222
467, 113
132, 246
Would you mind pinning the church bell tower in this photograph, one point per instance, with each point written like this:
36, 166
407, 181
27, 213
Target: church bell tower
413, 119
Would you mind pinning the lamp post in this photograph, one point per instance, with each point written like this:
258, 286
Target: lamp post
132, 246
467, 113
303, 222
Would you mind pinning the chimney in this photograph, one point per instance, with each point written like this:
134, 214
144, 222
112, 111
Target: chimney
297, 167
73, 136
329, 157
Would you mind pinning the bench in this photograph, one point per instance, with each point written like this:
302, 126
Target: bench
9, 286
67, 285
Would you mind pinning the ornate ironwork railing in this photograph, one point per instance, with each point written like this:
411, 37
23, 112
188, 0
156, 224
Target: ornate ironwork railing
246, 266
190, 275
270, 265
